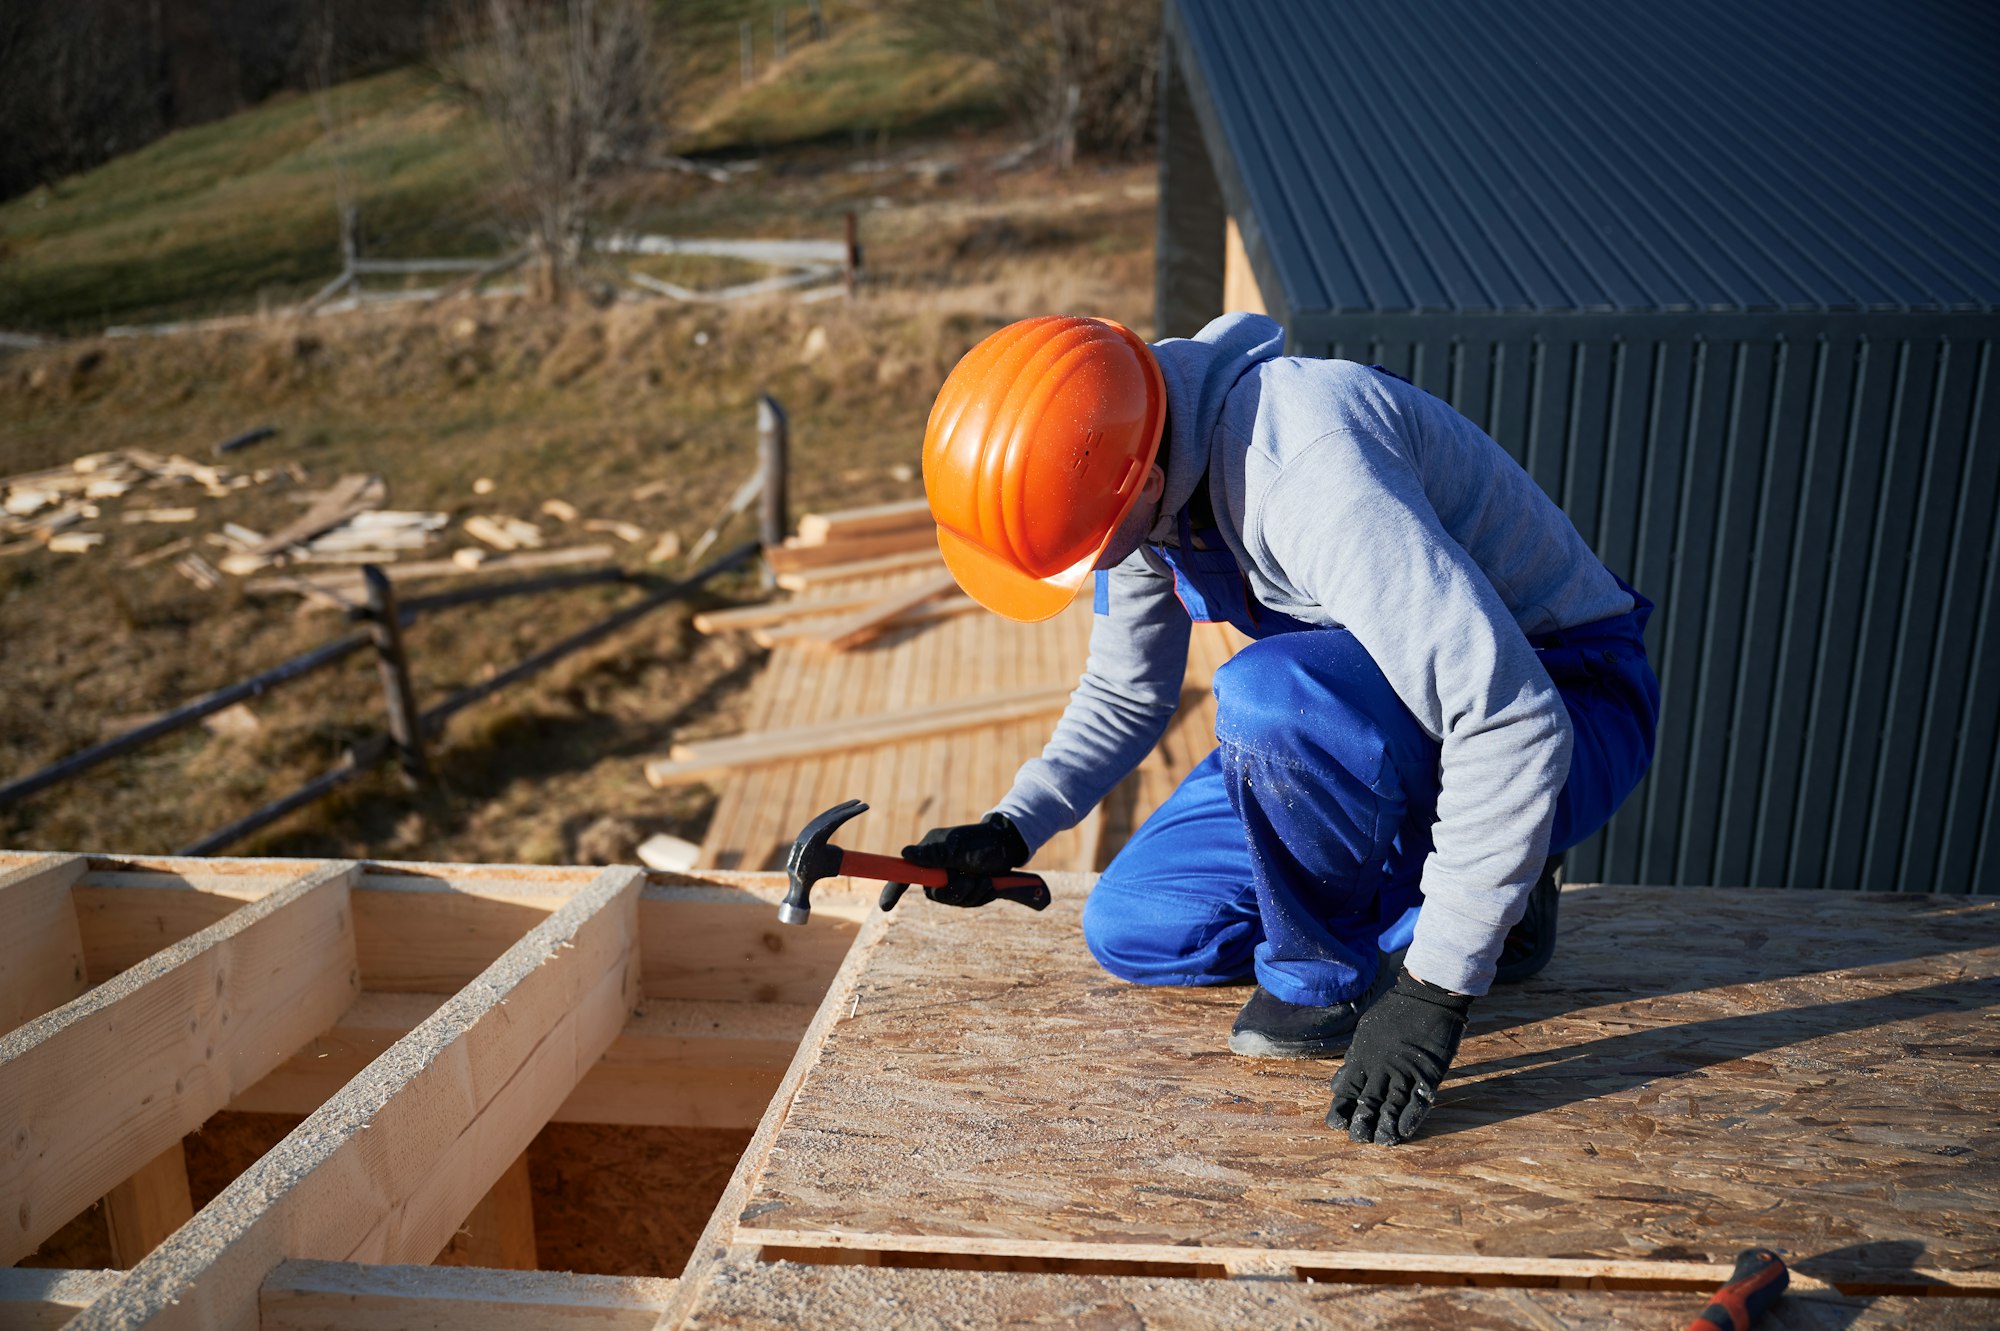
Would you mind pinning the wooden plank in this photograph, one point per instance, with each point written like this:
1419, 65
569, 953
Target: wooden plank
345, 1296
794, 558
500, 1232
752, 1293
872, 520
33, 1299
678, 1063
729, 947
930, 612
348, 496
869, 621
385, 1170
94, 1091
779, 612
349, 587
1811, 1072
707, 758
41, 953
805, 579
143, 1210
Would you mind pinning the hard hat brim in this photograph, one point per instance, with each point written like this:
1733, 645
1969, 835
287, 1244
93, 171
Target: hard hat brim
1004, 589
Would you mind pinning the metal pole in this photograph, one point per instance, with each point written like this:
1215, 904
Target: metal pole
850, 270
778, 33
772, 431
749, 57
816, 19
386, 629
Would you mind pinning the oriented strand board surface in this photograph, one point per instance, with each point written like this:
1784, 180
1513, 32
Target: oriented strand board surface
836, 1298
919, 784
1698, 1070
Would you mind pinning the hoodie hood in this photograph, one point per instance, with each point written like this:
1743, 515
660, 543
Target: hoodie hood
1199, 372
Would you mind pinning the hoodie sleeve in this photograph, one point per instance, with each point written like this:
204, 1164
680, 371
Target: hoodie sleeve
1130, 688
1348, 522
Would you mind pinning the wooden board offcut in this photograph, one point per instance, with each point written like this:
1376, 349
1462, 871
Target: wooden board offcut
746, 1294
1698, 1071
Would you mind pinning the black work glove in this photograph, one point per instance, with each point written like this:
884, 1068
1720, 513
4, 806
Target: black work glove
1401, 1049
972, 853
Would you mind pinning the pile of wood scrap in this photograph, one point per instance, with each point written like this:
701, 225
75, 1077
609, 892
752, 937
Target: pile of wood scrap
43, 509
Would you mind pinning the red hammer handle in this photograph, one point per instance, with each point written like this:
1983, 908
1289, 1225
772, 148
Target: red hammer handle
890, 869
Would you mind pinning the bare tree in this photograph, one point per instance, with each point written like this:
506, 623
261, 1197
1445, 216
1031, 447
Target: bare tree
573, 89
1080, 73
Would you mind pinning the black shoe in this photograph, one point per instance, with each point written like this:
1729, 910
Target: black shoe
1269, 1027
1532, 942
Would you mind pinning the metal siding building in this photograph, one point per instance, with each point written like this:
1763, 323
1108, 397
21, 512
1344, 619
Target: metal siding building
1723, 278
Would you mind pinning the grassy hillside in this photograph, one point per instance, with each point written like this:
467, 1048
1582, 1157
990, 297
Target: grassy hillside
222, 217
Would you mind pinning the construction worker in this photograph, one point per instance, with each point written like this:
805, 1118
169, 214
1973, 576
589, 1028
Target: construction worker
1445, 690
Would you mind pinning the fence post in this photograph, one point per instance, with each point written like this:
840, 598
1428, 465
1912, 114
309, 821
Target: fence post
772, 430
749, 58
778, 19
850, 268
816, 19
405, 727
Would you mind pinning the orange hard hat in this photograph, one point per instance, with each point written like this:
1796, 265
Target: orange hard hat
1036, 450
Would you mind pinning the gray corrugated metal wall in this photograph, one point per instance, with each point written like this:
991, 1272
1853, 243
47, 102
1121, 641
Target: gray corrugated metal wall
1812, 507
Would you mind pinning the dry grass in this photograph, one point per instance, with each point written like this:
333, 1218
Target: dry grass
587, 405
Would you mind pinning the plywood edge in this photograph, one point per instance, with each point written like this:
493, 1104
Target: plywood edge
347, 1296
712, 1250
388, 1167
1334, 1263
97, 1089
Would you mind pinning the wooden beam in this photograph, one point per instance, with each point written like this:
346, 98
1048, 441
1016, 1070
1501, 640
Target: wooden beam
803, 579
708, 758
949, 607
143, 1210
873, 520
678, 1063
792, 558
94, 1091
344, 1296
35, 1299
780, 612
385, 1170
500, 1232
879, 615
41, 953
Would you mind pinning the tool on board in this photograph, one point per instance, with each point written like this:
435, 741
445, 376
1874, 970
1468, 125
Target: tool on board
814, 857
1760, 1277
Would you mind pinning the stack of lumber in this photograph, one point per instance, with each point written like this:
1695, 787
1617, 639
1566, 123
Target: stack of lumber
831, 539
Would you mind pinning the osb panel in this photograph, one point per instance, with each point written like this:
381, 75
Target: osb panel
833, 1298
1698, 1071
622, 1201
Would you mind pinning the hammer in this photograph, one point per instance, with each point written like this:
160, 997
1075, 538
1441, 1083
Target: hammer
814, 857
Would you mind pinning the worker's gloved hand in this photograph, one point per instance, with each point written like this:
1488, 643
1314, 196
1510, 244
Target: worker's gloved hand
991, 845
971, 853
1401, 1049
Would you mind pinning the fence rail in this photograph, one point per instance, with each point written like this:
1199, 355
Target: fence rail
384, 619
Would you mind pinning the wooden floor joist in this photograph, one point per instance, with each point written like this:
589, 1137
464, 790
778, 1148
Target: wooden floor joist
703, 759
96, 1090
41, 954
385, 1170
344, 1296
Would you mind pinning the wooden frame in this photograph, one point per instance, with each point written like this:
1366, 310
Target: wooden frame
428, 1019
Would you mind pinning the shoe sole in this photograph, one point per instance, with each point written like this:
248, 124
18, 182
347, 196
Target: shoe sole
1252, 1044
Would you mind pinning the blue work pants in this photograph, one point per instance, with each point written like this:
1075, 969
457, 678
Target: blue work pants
1294, 851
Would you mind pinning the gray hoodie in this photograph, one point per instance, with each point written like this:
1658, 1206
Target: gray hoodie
1354, 500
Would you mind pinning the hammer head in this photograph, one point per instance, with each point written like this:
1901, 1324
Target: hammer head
813, 857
